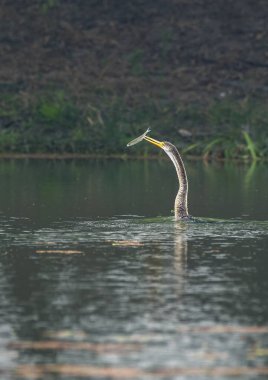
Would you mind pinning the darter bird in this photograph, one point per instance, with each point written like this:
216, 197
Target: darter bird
181, 200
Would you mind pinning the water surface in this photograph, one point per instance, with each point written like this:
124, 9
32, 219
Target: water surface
97, 281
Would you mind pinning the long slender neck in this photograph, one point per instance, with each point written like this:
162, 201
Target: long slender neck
181, 201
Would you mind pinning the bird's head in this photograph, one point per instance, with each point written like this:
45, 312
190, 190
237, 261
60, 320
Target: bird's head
165, 145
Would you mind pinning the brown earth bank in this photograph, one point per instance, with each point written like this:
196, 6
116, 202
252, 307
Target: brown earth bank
112, 58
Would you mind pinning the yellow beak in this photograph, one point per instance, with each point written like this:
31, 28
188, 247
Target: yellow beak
159, 144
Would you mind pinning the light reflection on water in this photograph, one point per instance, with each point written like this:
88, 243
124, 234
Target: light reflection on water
167, 296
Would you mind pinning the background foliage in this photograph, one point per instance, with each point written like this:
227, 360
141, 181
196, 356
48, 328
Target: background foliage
87, 76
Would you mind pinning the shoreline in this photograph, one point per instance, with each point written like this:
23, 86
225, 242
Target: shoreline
123, 157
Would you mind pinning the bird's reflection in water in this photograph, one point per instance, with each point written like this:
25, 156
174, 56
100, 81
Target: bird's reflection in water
180, 253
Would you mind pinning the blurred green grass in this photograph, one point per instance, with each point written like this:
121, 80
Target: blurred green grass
53, 122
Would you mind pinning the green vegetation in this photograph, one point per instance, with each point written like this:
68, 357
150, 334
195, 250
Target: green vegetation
55, 123
134, 60
48, 4
88, 76
241, 127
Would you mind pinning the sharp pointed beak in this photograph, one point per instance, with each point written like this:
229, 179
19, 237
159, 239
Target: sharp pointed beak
159, 144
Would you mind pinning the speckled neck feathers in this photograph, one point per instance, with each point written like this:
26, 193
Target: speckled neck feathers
181, 201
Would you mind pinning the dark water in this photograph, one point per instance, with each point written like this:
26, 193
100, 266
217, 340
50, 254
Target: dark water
97, 281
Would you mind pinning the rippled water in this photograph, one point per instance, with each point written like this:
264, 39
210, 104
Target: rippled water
95, 284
